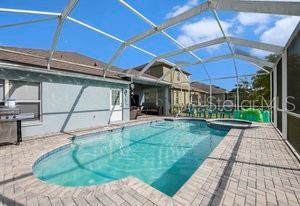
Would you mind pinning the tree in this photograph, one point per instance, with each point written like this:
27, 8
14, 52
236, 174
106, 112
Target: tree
261, 83
258, 89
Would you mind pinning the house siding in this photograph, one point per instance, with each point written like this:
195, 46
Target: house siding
68, 103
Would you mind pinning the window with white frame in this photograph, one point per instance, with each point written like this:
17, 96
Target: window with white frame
115, 97
27, 96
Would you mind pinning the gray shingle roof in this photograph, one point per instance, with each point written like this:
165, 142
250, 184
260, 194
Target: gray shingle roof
83, 64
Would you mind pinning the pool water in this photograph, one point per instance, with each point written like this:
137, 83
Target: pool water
163, 154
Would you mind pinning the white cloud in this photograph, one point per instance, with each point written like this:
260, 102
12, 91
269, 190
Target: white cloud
250, 19
182, 8
202, 30
278, 34
239, 30
260, 21
281, 31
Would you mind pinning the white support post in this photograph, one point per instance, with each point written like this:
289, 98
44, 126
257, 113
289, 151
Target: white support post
167, 100
275, 105
210, 95
62, 18
190, 96
271, 96
284, 95
238, 94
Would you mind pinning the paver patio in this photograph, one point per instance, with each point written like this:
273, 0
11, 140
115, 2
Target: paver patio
249, 167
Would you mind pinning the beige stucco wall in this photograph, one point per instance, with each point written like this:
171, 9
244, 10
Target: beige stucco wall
156, 71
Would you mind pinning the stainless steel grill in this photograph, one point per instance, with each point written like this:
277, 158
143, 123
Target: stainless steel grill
10, 124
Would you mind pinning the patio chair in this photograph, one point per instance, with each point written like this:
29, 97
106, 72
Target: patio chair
201, 110
228, 111
190, 110
220, 112
211, 111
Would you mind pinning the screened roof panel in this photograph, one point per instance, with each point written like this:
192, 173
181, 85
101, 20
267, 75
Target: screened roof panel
54, 6
212, 51
157, 44
131, 57
245, 68
182, 58
215, 71
118, 20
227, 84
71, 40
21, 35
197, 71
109, 16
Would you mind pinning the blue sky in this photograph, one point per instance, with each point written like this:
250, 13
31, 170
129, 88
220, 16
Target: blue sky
113, 18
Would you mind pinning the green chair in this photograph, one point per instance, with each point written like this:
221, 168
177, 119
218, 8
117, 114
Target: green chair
220, 112
211, 112
266, 116
228, 111
237, 114
190, 111
201, 111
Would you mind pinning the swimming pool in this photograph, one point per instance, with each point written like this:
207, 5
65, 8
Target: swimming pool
163, 154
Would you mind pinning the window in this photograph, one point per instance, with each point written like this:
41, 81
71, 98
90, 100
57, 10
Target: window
1, 91
195, 99
27, 96
178, 76
147, 96
115, 97
176, 97
150, 95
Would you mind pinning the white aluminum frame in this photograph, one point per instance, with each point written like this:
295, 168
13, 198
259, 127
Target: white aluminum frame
62, 17
270, 7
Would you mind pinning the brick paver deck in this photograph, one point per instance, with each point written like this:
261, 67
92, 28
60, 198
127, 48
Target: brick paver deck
249, 167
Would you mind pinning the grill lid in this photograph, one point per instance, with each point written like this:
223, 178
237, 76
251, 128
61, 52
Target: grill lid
4, 111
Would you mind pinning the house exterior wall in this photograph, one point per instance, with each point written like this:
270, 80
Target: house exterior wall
183, 94
69, 103
156, 71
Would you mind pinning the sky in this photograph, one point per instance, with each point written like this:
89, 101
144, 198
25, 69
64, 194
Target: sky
112, 17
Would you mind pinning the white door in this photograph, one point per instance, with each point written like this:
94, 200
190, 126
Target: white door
116, 102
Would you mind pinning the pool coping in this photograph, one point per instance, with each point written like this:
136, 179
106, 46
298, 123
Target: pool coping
32, 187
217, 124
37, 187
134, 182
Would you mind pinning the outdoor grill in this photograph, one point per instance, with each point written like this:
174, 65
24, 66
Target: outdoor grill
10, 124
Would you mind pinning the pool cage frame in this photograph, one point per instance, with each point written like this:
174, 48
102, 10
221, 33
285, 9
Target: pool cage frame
270, 7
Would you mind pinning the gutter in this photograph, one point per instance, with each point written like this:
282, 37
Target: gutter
20, 67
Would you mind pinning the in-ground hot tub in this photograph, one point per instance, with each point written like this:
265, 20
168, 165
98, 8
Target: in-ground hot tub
229, 123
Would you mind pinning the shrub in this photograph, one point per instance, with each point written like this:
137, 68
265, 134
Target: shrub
253, 115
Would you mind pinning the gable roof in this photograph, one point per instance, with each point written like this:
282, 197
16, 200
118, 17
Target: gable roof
206, 88
158, 63
62, 60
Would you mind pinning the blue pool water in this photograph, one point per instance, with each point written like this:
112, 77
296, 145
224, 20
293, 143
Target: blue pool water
163, 154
